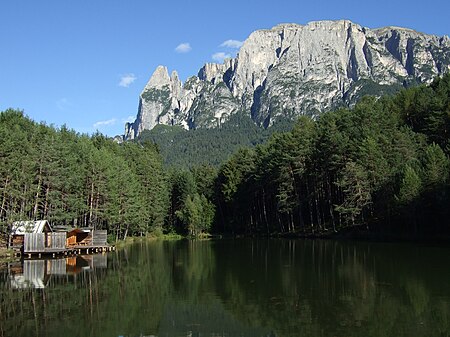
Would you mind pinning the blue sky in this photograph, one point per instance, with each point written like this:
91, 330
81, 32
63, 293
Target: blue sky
84, 63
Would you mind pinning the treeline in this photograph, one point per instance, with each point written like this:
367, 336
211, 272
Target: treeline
382, 165
78, 180
187, 149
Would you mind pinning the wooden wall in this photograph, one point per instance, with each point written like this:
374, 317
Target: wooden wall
34, 242
99, 237
71, 240
56, 240
38, 242
41, 242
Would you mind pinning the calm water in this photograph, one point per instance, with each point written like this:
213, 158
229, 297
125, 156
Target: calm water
233, 288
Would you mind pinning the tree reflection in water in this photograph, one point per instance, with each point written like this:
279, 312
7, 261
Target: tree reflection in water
235, 288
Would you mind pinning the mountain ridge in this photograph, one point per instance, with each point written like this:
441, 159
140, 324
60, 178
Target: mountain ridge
291, 70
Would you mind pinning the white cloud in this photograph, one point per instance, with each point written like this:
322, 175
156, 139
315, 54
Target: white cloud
108, 122
235, 44
129, 119
219, 57
126, 80
183, 48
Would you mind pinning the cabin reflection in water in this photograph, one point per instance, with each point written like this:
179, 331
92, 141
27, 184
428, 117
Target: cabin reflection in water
37, 273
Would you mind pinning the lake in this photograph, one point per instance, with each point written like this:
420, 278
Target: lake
243, 287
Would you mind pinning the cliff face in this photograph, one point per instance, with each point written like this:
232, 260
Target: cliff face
293, 70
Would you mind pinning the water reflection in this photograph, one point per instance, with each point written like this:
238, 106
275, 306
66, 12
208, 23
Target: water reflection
235, 288
37, 273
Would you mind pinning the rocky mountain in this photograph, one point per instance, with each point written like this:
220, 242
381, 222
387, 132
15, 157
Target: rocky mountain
291, 70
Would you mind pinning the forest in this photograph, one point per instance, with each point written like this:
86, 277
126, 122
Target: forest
187, 149
380, 167
78, 180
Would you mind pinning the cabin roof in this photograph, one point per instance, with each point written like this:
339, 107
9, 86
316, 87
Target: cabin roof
79, 230
62, 228
22, 227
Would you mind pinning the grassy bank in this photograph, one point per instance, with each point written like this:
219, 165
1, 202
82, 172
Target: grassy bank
149, 237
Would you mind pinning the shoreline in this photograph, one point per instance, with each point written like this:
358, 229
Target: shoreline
7, 255
149, 237
356, 233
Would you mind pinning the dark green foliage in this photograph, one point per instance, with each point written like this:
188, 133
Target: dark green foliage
187, 149
383, 164
364, 87
191, 213
77, 180
427, 110
182, 185
196, 215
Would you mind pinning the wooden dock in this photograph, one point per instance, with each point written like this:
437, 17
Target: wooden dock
57, 244
69, 251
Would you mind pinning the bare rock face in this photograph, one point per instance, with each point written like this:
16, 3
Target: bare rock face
293, 70
158, 99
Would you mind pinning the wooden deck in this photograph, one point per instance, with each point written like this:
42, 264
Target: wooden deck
69, 251
57, 244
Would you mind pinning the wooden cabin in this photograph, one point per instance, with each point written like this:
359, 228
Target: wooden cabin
20, 228
34, 238
27, 235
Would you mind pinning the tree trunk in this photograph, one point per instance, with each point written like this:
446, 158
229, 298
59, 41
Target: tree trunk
3, 210
126, 231
310, 206
91, 203
265, 212
45, 212
36, 198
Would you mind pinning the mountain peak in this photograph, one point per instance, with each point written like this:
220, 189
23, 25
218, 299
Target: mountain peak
293, 70
286, 26
159, 78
